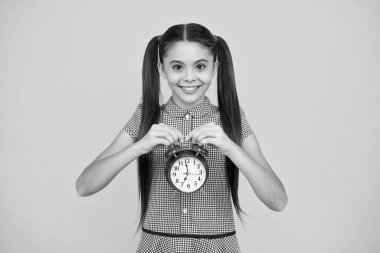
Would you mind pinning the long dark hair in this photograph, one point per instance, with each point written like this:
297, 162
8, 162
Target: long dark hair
227, 99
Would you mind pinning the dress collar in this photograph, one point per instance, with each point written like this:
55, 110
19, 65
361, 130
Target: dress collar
196, 112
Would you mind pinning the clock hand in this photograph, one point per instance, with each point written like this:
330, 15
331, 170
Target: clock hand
187, 179
191, 174
184, 180
187, 172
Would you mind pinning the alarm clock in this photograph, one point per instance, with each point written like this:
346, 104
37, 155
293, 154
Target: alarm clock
186, 169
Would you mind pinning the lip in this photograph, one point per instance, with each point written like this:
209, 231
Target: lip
192, 86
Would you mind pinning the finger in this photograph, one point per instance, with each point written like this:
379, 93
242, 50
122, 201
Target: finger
175, 133
208, 126
161, 143
189, 136
194, 133
207, 132
178, 135
164, 134
199, 136
209, 141
160, 146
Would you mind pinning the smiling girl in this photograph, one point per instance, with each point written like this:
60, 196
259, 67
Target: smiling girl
188, 56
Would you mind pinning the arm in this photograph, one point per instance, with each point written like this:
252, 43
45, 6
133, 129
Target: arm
249, 160
264, 182
121, 152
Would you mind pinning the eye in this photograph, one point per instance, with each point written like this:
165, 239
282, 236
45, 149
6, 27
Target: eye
201, 66
177, 67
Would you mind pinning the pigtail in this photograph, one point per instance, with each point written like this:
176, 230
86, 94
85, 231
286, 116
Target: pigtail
150, 115
229, 111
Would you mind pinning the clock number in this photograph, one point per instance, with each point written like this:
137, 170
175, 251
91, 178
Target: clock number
199, 179
188, 185
180, 163
177, 180
199, 166
200, 172
176, 168
187, 160
174, 174
195, 183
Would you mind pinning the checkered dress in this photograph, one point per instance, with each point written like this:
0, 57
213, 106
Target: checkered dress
198, 222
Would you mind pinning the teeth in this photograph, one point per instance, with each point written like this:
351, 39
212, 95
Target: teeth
190, 88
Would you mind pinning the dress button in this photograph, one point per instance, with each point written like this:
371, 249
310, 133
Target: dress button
187, 116
185, 210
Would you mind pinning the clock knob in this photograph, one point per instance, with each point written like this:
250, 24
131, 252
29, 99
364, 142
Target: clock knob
172, 150
199, 149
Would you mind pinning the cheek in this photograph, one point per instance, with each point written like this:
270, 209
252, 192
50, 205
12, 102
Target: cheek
205, 77
174, 78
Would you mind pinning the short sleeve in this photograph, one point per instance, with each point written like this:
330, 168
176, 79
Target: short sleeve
133, 125
246, 129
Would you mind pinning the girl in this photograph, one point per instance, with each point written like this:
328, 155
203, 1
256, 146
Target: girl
188, 56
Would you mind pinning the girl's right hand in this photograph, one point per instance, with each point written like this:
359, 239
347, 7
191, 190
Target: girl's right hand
159, 136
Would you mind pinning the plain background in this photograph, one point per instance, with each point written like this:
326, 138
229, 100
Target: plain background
308, 79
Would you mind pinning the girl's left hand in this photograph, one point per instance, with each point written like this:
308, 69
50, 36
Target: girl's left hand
213, 134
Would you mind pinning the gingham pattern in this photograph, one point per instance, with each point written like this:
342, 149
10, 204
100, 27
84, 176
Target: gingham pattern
208, 211
156, 244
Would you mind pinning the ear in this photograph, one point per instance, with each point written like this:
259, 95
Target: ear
216, 65
161, 70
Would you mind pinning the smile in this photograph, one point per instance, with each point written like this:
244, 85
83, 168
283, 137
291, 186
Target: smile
192, 88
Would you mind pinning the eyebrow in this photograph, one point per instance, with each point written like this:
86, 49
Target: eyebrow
176, 61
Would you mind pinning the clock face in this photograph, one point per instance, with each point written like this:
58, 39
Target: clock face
188, 174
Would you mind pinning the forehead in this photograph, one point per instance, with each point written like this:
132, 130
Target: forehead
187, 51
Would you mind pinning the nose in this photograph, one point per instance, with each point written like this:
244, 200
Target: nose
189, 76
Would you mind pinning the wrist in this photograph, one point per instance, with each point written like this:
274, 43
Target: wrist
138, 149
231, 149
